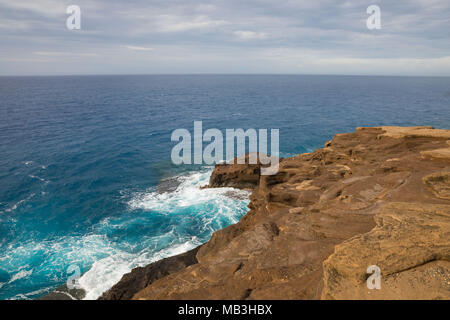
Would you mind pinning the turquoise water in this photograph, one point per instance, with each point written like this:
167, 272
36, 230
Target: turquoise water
85, 171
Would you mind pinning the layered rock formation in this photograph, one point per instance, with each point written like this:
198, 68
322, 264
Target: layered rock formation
378, 196
241, 176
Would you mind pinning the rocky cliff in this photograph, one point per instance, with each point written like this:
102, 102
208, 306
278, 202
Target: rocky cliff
378, 196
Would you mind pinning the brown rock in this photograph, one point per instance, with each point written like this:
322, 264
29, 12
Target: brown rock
414, 132
241, 176
408, 243
361, 200
438, 154
439, 183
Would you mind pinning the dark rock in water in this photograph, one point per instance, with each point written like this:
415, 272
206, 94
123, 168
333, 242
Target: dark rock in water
141, 277
241, 176
64, 293
241, 173
167, 185
236, 195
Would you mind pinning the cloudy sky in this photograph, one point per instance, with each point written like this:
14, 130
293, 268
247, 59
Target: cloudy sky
225, 36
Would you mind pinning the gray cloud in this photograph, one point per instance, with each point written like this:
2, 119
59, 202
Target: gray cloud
232, 36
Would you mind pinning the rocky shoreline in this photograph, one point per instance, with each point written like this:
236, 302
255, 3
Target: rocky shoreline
378, 196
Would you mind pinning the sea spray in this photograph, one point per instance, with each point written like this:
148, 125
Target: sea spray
212, 209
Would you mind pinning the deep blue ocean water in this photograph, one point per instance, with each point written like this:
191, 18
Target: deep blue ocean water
85, 173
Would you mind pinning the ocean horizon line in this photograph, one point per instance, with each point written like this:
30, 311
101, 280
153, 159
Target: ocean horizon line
224, 74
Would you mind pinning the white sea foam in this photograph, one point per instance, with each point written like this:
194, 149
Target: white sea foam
21, 274
20, 297
37, 292
188, 193
106, 272
38, 178
17, 204
109, 261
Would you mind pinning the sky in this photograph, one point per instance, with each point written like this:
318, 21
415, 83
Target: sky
225, 36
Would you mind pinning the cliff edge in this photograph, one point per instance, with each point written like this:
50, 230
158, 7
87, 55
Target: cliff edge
378, 196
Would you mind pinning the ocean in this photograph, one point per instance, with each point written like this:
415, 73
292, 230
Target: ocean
86, 178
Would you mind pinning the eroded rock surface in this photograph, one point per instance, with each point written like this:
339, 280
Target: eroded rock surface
410, 244
241, 176
369, 197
